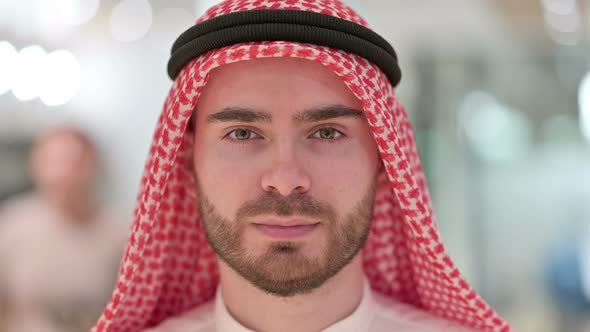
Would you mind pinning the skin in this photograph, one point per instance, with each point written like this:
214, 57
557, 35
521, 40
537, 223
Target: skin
289, 144
63, 167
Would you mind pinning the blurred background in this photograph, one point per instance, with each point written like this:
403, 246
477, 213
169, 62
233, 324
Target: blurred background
498, 92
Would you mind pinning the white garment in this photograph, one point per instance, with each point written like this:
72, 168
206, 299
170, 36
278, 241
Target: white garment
52, 267
375, 313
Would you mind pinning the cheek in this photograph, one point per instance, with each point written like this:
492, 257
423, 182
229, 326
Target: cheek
342, 181
350, 168
227, 181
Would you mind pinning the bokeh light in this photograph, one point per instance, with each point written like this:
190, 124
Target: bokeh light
563, 21
8, 56
131, 20
584, 105
78, 12
29, 63
68, 12
60, 78
497, 133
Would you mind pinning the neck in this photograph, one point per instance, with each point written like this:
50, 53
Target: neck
76, 208
335, 300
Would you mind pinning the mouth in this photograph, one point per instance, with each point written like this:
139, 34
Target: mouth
282, 229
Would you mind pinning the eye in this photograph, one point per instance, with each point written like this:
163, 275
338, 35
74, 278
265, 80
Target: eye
328, 133
242, 134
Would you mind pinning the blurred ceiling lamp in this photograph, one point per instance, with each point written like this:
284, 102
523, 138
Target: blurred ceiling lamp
584, 106
131, 20
56, 19
561, 7
26, 84
60, 78
201, 6
8, 56
53, 77
78, 12
70, 12
563, 21
495, 132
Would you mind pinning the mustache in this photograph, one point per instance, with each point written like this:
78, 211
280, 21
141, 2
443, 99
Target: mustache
294, 204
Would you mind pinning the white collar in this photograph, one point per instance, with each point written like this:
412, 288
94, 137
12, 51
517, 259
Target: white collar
359, 320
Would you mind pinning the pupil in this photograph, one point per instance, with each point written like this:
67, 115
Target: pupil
242, 134
327, 133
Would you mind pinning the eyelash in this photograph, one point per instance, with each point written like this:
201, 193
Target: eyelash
247, 141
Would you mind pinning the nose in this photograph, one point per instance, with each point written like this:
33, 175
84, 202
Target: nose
286, 175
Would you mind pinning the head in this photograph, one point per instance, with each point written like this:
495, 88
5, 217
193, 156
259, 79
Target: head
63, 163
283, 142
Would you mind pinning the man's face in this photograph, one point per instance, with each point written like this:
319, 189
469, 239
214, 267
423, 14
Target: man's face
63, 164
286, 167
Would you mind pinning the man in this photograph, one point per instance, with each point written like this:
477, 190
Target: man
54, 264
283, 191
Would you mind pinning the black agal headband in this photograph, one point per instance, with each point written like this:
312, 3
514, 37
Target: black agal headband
283, 25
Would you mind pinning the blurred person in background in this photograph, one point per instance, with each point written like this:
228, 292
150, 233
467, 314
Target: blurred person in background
59, 248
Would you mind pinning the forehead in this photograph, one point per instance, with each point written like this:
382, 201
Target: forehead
63, 141
273, 85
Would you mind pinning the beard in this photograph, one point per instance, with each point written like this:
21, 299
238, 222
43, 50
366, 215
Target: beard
282, 269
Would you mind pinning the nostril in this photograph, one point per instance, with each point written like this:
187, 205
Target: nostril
299, 190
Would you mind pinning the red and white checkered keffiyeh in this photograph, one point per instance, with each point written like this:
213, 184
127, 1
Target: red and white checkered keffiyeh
169, 266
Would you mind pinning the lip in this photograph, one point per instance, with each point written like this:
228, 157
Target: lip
285, 222
286, 232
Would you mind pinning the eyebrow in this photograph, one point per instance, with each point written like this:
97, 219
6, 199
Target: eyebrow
239, 114
243, 114
327, 113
